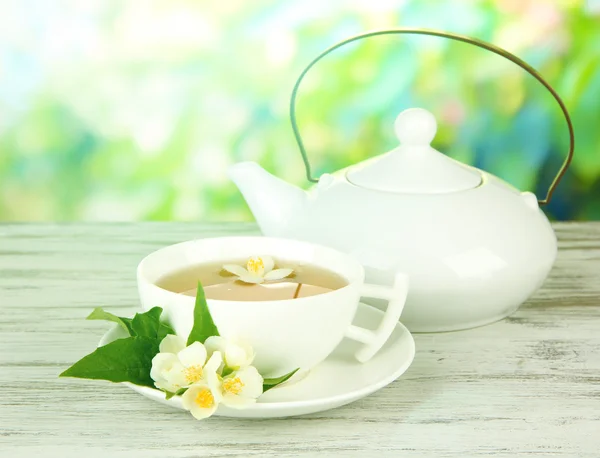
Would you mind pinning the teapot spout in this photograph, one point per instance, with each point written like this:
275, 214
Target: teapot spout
273, 202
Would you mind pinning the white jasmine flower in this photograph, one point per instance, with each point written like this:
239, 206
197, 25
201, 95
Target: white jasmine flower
178, 366
200, 400
171, 344
258, 270
235, 355
240, 388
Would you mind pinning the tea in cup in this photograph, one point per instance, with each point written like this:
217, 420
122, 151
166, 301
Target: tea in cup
292, 301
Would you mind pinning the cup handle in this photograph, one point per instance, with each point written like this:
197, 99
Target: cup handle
374, 340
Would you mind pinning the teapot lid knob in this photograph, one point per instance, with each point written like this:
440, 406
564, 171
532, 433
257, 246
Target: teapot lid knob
415, 126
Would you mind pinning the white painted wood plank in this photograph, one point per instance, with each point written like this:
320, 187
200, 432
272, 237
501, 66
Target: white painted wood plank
527, 386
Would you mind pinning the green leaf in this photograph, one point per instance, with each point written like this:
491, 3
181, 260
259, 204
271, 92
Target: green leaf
123, 360
100, 314
204, 326
169, 394
269, 383
148, 324
226, 371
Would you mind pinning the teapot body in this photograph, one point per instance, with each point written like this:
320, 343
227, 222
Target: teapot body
473, 256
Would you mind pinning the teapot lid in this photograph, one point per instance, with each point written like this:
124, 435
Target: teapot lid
414, 166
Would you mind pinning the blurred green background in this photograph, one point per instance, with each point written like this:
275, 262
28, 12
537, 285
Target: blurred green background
133, 109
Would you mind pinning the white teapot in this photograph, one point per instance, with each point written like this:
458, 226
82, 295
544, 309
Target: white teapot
474, 247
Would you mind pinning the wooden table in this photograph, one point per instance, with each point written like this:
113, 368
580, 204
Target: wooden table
526, 386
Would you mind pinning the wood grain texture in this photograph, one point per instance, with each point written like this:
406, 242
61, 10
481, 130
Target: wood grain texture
526, 386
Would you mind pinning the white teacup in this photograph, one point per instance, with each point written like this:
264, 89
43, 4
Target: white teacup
285, 334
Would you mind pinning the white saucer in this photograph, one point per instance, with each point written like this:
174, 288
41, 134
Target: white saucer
337, 381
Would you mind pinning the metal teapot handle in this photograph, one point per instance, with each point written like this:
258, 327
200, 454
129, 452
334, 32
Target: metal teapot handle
436, 33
